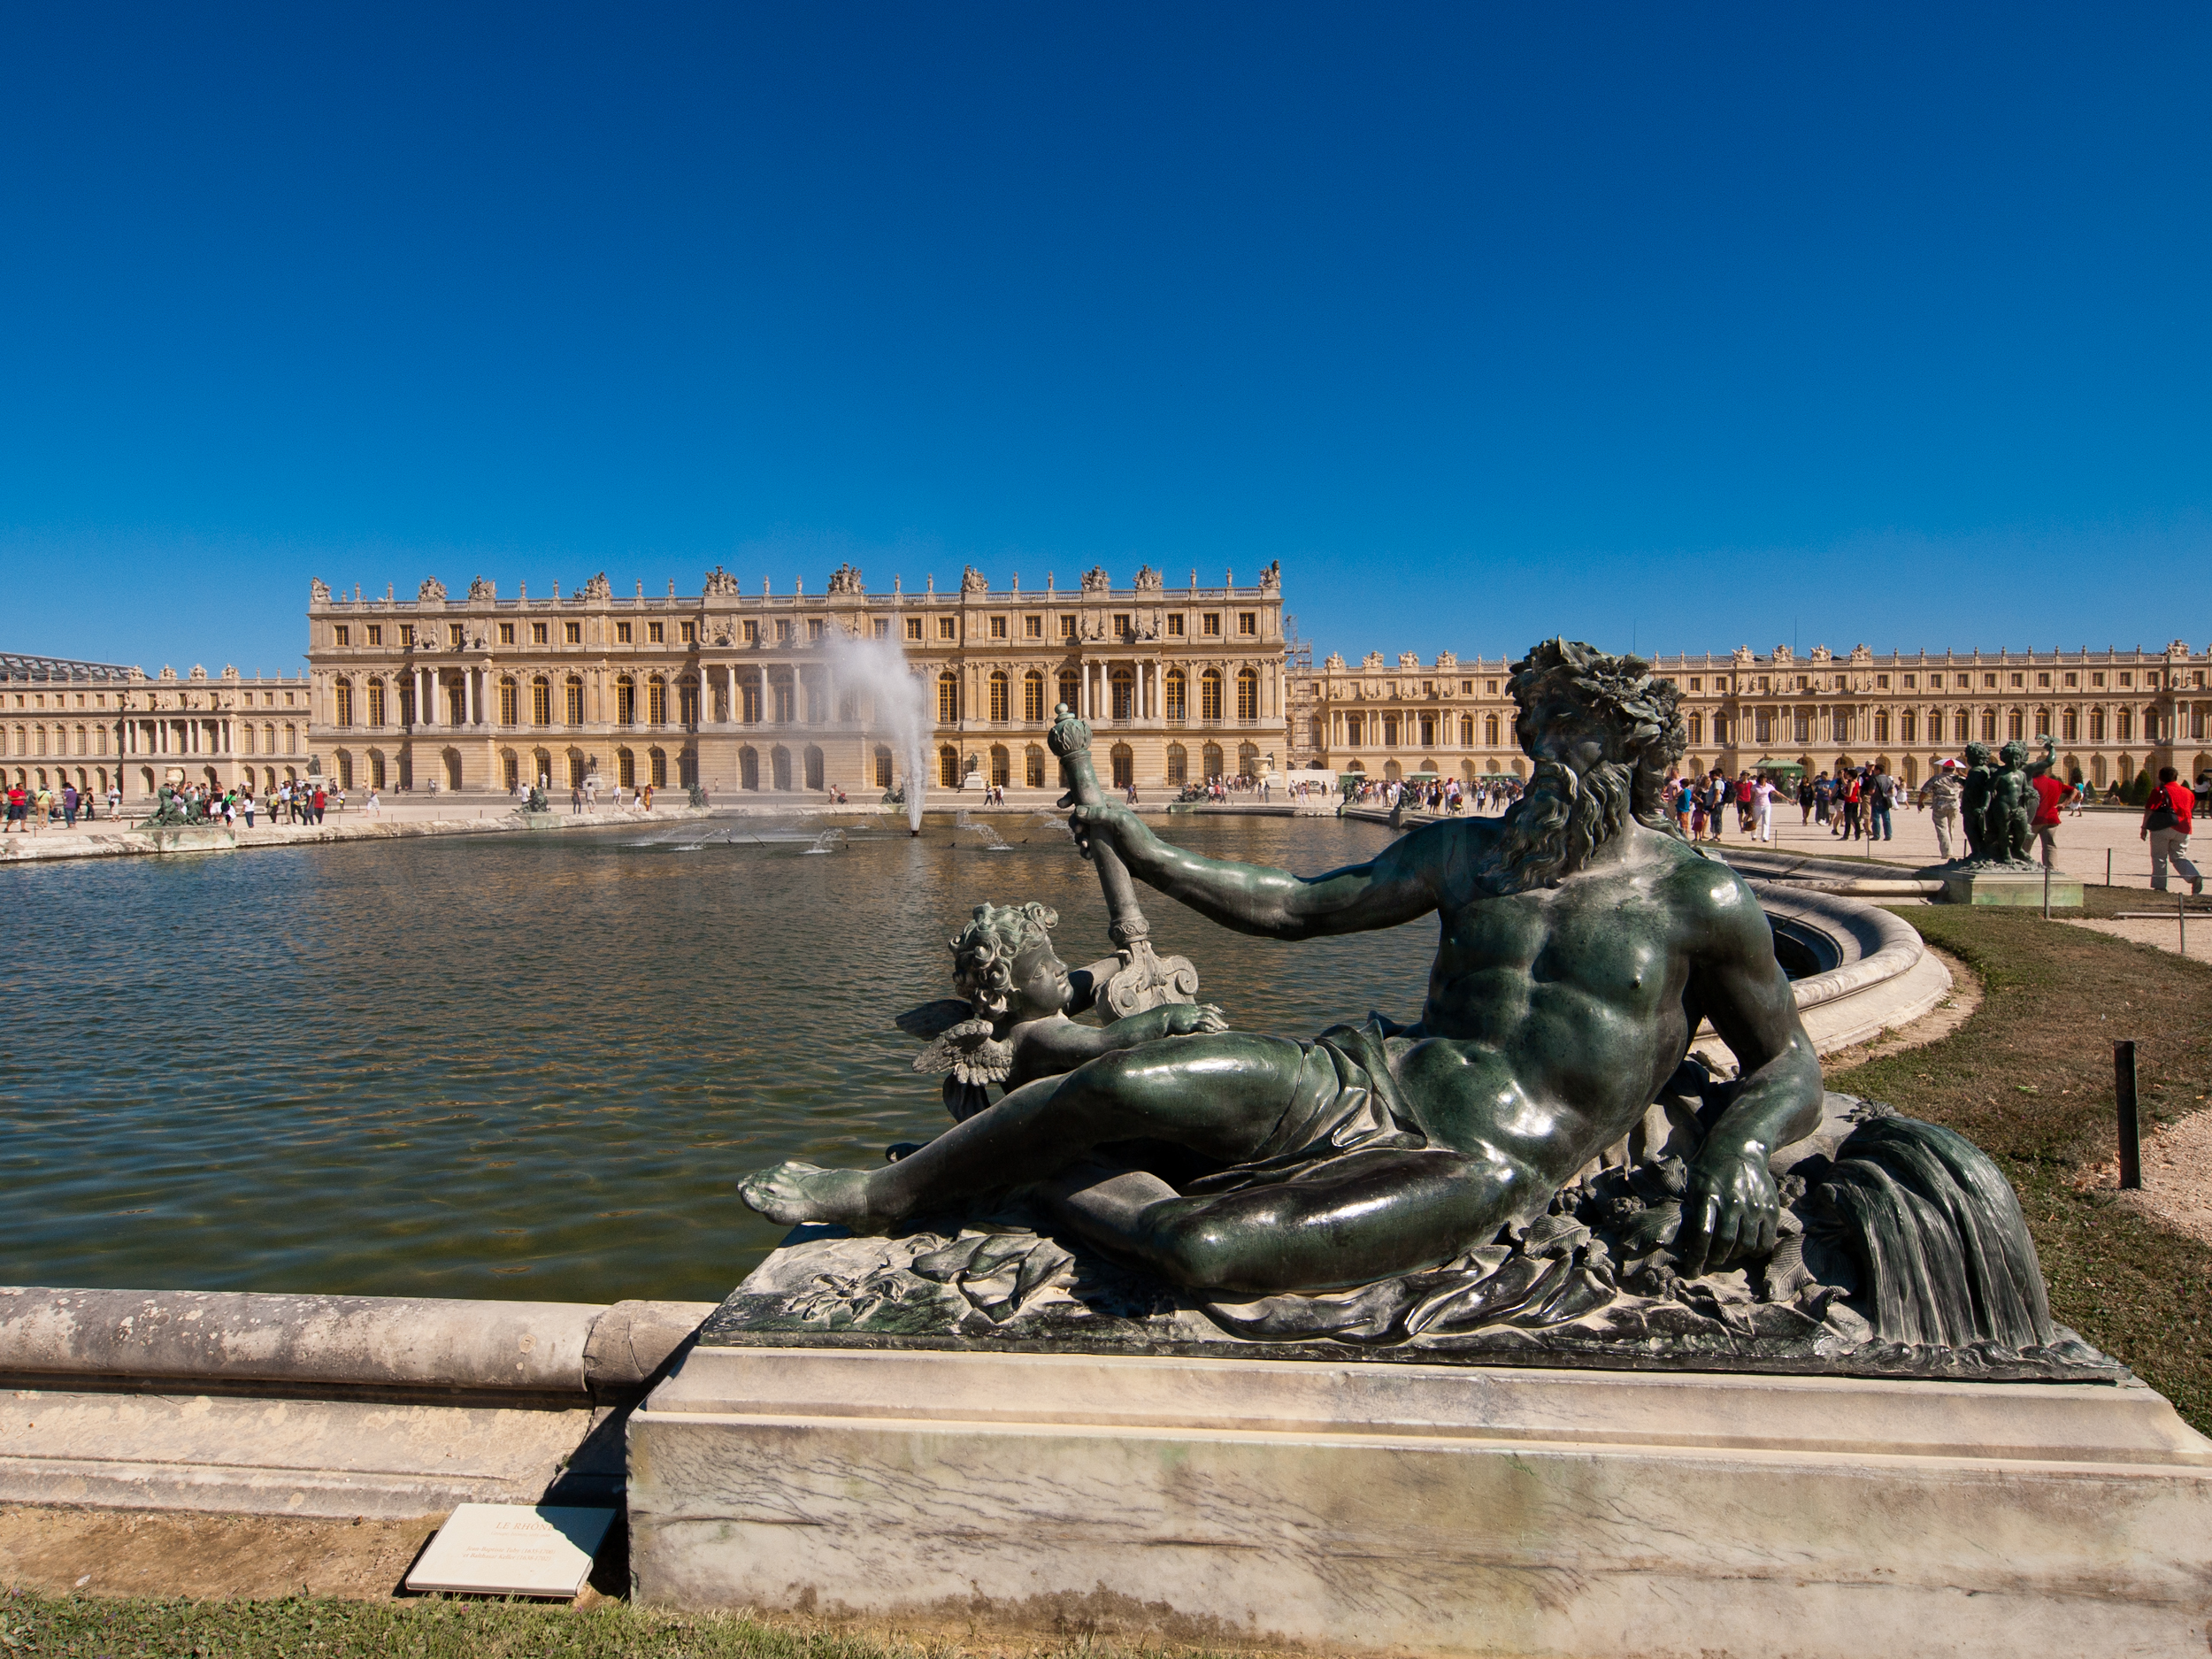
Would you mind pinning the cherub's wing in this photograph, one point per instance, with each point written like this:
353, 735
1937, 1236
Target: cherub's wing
970, 1053
934, 1019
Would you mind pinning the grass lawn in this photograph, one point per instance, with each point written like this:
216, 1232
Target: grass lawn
2029, 1080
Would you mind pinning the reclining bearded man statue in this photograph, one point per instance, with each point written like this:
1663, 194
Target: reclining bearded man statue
1583, 941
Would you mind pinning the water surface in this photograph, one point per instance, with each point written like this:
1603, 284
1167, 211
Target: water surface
530, 1066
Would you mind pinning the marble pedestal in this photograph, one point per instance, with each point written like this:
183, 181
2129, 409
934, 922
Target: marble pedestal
2016, 889
1441, 1509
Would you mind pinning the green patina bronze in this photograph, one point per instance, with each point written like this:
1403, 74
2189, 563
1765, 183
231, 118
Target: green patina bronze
1997, 805
1582, 943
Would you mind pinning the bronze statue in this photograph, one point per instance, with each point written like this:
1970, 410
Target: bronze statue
1997, 805
1583, 941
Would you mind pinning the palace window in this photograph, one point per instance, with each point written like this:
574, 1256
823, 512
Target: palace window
1490, 731
1762, 726
1034, 697
507, 710
1989, 725
2014, 723
1697, 727
1881, 726
1390, 730
748, 707
1209, 697
1209, 625
344, 703
507, 637
1070, 693
1033, 628
1067, 627
883, 632
1177, 689
376, 634
2070, 726
537, 634
1178, 764
540, 702
1911, 681
1467, 731
948, 704
1248, 696
783, 637
817, 628
657, 632
949, 766
376, 703
1959, 731
656, 702
946, 627
1123, 689
998, 631
573, 700
1935, 682
1175, 626
574, 631
1801, 727
1247, 624
341, 635
999, 695
1428, 731
625, 701
454, 636
2043, 680
1033, 767
622, 637
407, 635
687, 701
1908, 728
913, 627
1122, 629
2016, 682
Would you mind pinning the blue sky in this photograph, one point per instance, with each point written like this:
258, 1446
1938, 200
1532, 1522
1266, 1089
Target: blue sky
1684, 325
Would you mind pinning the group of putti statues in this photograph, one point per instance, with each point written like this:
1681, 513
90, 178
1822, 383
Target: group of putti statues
1997, 803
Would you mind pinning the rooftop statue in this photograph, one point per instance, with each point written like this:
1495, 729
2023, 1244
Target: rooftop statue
1582, 942
1536, 1164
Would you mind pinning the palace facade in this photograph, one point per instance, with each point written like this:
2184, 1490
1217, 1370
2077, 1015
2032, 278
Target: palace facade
2113, 714
765, 691
96, 724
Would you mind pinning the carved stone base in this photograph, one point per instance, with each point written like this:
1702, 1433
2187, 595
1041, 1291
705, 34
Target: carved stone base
2014, 888
1431, 1508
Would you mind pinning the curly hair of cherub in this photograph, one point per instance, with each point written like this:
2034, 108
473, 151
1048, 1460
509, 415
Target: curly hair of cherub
983, 953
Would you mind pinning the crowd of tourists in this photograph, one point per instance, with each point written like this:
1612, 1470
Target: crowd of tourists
1447, 795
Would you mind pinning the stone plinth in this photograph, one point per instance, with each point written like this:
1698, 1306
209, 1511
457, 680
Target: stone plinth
1441, 1509
2012, 888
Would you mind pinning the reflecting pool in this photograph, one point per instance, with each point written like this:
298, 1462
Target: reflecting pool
532, 1065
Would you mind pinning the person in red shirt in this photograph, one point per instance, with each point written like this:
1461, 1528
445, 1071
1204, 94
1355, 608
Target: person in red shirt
2166, 828
2050, 794
17, 801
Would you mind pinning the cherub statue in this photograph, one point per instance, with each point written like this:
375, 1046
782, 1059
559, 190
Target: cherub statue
1014, 1025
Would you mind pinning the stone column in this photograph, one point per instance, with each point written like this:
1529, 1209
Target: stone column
468, 695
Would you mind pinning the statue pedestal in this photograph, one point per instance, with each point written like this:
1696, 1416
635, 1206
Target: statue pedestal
2012, 889
1445, 1508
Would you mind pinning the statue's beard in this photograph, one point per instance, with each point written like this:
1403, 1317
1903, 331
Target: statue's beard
1558, 825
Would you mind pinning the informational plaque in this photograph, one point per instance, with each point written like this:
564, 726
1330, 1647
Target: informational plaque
513, 1549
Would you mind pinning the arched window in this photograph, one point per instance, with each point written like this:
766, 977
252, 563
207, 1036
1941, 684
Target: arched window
687, 703
657, 768
626, 769
1002, 697
1210, 699
344, 699
2016, 724
883, 766
1033, 767
785, 703
1034, 697
1961, 727
1177, 696
1249, 761
574, 700
1070, 689
1697, 727
1122, 691
1490, 731
1393, 771
1390, 724
2124, 726
1124, 764
2096, 726
540, 703
656, 702
291, 739
948, 766
779, 767
1248, 697
624, 707
949, 705
749, 700
1209, 757
245, 736
748, 768
2042, 723
1001, 763
2069, 725
1466, 731
1881, 726
343, 760
510, 766
1178, 765
811, 759
509, 712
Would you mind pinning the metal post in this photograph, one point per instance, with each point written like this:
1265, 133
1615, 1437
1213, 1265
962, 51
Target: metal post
2131, 1135
2181, 922
2046, 893
2108, 866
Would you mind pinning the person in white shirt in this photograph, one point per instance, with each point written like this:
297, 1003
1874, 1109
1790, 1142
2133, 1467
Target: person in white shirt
1762, 811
